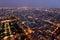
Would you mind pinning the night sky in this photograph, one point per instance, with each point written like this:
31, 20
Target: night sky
30, 3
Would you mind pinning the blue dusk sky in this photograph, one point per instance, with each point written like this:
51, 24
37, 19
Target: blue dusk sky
30, 3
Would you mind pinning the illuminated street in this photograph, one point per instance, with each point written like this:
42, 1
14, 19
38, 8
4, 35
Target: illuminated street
29, 24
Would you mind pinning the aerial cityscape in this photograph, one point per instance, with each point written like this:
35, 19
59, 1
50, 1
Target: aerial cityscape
29, 19
29, 23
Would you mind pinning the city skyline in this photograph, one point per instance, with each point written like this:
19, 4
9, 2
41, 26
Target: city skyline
30, 3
